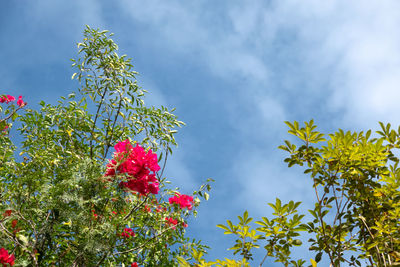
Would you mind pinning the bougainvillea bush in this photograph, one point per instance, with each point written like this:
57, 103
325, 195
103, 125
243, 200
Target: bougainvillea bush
82, 181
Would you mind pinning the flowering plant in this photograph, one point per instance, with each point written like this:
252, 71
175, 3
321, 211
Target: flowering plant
63, 203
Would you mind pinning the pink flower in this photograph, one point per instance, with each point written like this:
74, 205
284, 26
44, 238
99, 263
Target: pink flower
20, 102
111, 168
139, 166
184, 201
10, 98
6, 258
124, 146
153, 188
6, 98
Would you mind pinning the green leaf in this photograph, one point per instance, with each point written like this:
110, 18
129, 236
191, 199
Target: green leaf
223, 227
318, 257
14, 116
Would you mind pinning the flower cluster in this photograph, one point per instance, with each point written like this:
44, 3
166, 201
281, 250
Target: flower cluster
171, 221
139, 166
6, 98
9, 98
6, 258
94, 214
128, 232
184, 201
7, 213
20, 102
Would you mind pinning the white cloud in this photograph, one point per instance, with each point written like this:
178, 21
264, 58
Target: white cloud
357, 39
186, 29
154, 97
176, 170
341, 57
179, 174
265, 178
271, 110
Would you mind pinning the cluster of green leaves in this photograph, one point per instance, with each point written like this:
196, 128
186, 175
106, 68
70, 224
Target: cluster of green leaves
282, 231
356, 186
56, 206
278, 235
197, 257
109, 81
355, 219
247, 237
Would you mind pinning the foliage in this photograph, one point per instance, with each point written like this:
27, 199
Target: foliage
63, 203
355, 219
58, 207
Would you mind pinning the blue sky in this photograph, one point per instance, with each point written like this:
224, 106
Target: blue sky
235, 70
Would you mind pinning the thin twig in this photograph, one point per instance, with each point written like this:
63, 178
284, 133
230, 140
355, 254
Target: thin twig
366, 226
95, 120
165, 162
12, 113
148, 241
108, 142
135, 208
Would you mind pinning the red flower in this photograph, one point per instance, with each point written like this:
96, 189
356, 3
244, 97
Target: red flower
20, 102
134, 264
94, 214
147, 208
128, 232
6, 258
139, 166
171, 221
159, 209
184, 201
14, 223
153, 188
7, 213
123, 146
